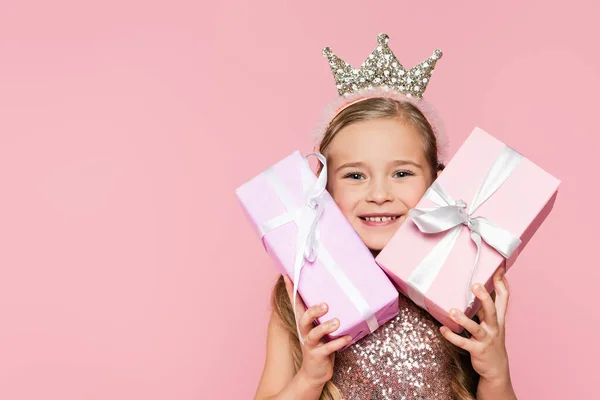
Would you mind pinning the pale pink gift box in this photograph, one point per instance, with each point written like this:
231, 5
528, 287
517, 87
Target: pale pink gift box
339, 244
519, 206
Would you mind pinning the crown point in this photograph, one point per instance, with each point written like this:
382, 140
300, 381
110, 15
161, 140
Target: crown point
382, 38
327, 52
437, 54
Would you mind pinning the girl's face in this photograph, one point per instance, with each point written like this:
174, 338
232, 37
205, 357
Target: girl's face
377, 171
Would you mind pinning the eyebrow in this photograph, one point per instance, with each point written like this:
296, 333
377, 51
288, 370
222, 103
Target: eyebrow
407, 162
359, 164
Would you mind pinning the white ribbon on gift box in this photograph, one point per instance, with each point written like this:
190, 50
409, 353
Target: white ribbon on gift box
451, 216
308, 246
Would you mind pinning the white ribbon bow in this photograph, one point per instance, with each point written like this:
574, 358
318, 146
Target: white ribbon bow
308, 246
452, 215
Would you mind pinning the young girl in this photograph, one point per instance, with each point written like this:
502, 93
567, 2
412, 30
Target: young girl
382, 155
383, 152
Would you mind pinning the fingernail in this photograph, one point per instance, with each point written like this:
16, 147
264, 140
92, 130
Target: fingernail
455, 313
334, 322
322, 306
478, 288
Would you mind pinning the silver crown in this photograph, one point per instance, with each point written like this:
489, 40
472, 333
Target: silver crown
382, 69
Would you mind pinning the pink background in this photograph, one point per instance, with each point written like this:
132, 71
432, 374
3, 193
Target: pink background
128, 270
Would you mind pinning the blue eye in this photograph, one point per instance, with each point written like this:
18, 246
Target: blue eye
354, 175
404, 174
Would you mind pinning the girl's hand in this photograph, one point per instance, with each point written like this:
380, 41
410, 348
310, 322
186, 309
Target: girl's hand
318, 355
486, 346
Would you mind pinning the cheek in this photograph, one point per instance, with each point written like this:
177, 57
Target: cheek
345, 198
412, 193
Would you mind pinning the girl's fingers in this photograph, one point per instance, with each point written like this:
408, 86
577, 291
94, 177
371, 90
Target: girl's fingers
487, 313
317, 333
458, 340
306, 322
299, 307
502, 295
334, 345
305, 317
473, 327
506, 283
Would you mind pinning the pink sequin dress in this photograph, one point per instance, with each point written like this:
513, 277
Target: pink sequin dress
403, 359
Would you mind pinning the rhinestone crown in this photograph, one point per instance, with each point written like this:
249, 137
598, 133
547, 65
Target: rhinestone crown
382, 69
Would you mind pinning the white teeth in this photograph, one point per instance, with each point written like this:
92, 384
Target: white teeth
379, 219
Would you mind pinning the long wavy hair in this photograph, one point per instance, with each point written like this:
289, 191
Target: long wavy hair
465, 378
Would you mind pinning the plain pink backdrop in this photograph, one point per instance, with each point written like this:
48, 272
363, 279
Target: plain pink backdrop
128, 270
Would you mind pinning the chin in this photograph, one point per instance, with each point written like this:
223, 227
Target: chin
376, 237
377, 244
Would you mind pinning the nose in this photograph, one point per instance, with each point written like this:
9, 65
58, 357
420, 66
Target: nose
379, 192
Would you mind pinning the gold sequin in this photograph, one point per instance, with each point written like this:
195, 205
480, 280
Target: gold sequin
403, 359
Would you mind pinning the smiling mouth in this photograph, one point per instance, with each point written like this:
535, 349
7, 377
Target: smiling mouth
380, 220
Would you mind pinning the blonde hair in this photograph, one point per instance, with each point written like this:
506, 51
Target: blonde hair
465, 378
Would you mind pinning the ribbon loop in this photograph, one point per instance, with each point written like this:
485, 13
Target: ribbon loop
314, 209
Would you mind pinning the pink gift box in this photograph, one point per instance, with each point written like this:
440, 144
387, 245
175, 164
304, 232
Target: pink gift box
338, 242
519, 206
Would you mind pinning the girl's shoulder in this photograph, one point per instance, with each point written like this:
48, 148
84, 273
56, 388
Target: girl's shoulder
279, 366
